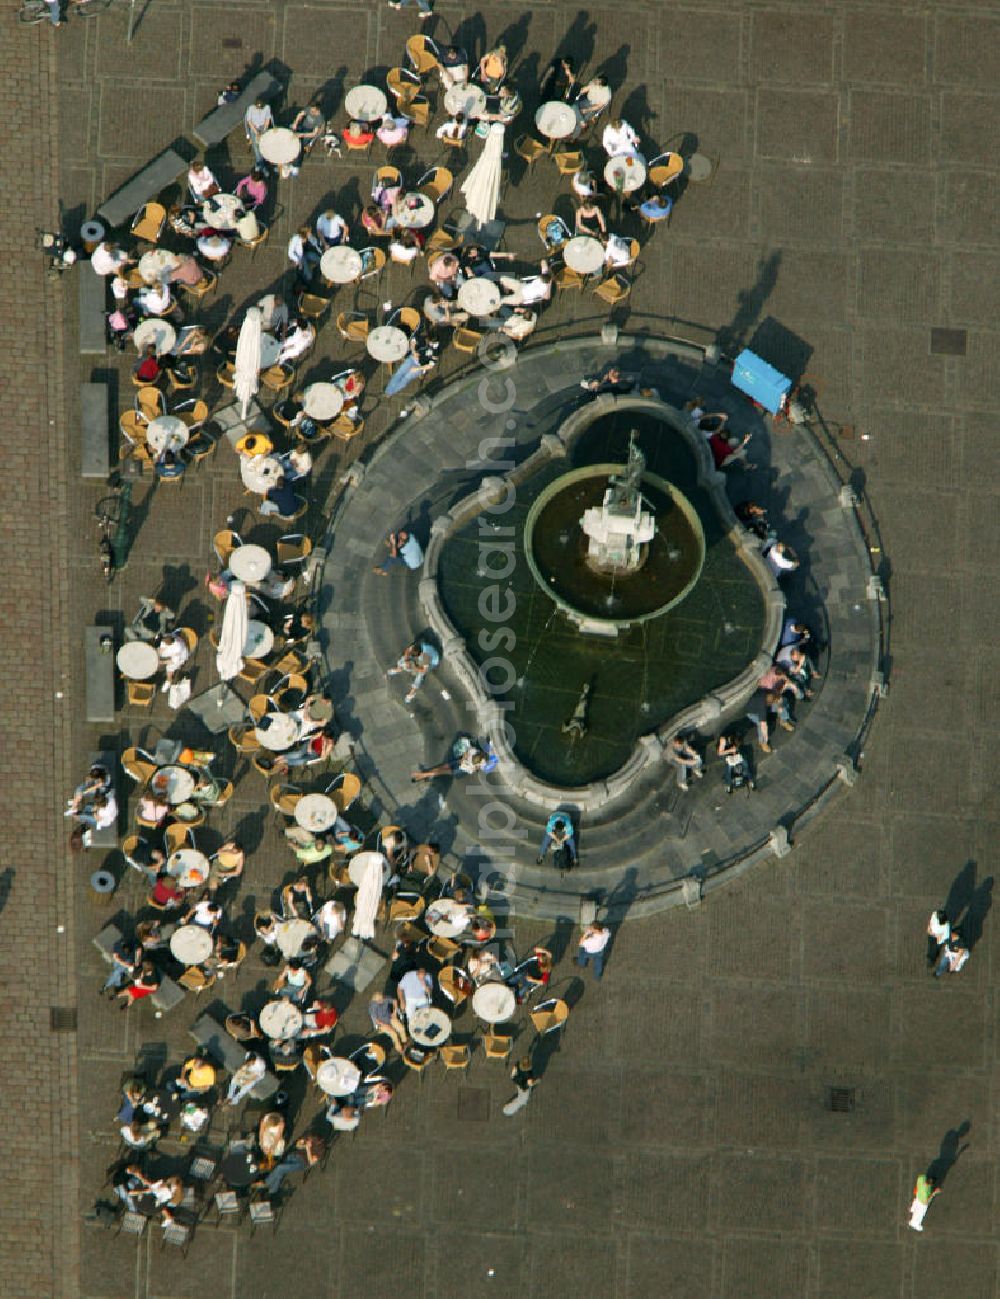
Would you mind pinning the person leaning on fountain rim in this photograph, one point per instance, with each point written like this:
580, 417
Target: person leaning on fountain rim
612, 379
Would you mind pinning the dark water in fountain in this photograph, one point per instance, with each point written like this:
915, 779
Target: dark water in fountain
536, 662
560, 550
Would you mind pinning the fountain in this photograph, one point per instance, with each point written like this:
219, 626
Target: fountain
620, 530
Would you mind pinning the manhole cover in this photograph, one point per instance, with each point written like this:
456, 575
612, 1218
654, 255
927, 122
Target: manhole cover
62, 1019
948, 342
840, 1099
474, 1104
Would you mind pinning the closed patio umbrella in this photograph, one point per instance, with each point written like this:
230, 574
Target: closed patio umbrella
247, 366
482, 185
369, 894
233, 636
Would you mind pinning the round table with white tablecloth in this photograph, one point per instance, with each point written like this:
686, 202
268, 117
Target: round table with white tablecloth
175, 784
387, 343
556, 120
359, 864
338, 1077
630, 168
414, 211
160, 333
280, 1020
429, 1026
189, 867
222, 211
479, 296
447, 918
156, 264
138, 660
191, 944
259, 473
583, 254
494, 1002
167, 433
341, 265
250, 563
278, 731
468, 99
322, 401
259, 640
279, 145
365, 103
290, 935
316, 812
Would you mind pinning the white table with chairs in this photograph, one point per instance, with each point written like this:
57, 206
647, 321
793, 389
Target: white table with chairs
280, 1020
156, 264
626, 172
222, 211
359, 864
583, 254
365, 103
279, 146
175, 784
160, 333
291, 934
429, 1026
191, 944
138, 660
167, 433
338, 1076
278, 731
259, 640
387, 343
189, 867
479, 296
316, 812
414, 211
250, 563
556, 120
322, 401
494, 1002
469, 100
259, 474
341, 265
447, 918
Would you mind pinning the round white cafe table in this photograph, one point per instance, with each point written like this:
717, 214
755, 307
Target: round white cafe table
359, 863
214, 247
175, 784
322, 401
631, 167
467, 99
259, 474
279, 145
191, 944
494, 1002
315, 812
221, 211
281, 732
336, 1076
556, 120
280, 1020
365, 103
584, 254
479, 296
155, 264
447, 918
160, 333
290, 935
414, 211
250, 563
340, 265
429, 1026
138, 660
387, 343
167, 433
189, 867
259, 640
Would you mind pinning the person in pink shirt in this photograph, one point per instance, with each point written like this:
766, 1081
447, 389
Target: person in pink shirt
252, 189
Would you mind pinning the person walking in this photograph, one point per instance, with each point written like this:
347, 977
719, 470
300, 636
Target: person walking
938, 933
524, 1079
954, 955
592, 947
923, 1192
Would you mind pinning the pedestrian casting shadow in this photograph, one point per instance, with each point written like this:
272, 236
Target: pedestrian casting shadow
947, 1157
971, 927
613, 907
961, 892
6, 885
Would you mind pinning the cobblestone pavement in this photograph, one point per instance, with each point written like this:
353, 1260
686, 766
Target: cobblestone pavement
681, 1140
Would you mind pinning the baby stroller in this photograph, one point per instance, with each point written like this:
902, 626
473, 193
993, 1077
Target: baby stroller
738, 773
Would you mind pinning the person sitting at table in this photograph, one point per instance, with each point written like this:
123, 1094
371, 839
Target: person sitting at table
453, 66
201, 183
296, 465
166, 893
300, 337
393, 131
308, 847
482, 966
245, 1079
134, 1096
455, 129
331, 229
108, 259
169, 464
421, 360
527, 289
619, 138
97, 781
331, 919
405, 247
316, 749
197, 1077
384, 1015
298, 625
146, 858
589, 219
252, 189
271, 1137
415, 991
374, 220
611, 379
503, 107
474, 260
592, 100
443, 314
535, 972
306, 1153
256, 120
520, 323
187, 271
558, 80
297, 900
149, 369
149, 936
126, 960
320, 1019
617, 252
143, 984
304, 253
357, 134
280, 499
152, 809
309, 124
157, 300
140, 1133
185, 220
294, 983
174, 653
443, 273
206, 914
492, 70
153, 620
655, 208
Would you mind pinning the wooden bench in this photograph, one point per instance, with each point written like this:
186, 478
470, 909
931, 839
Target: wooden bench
93, 293
99, 665
149, 182
214, 128
95, 431
221, 1044
107, 837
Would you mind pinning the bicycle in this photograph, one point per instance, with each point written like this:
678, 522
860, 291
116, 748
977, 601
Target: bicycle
36, 11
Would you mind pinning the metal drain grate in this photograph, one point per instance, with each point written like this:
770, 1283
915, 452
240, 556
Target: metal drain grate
948, 342
840, 1100
474, 1104
232, 43
62, 1019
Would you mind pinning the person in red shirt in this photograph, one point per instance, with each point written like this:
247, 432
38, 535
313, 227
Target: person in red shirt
358, 134
320, 1018
726, 452
166, 892
149, 369
144, 985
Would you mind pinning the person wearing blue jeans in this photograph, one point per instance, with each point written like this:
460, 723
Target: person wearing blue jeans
423, 5
55, 12
420, 361
558, 834
593, 945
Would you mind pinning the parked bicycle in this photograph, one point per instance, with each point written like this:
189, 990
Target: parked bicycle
36, 11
